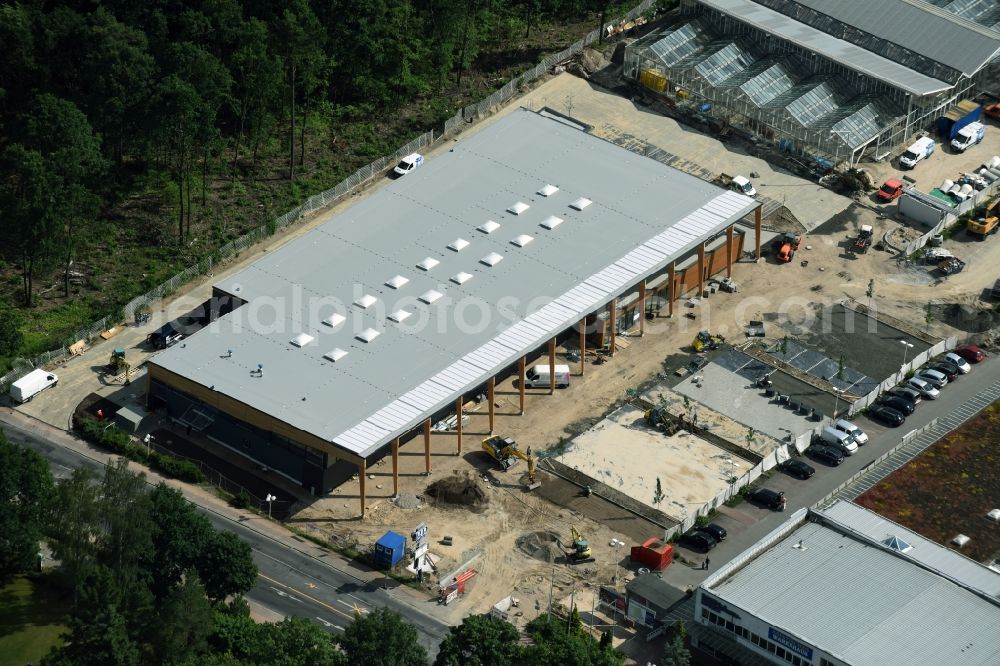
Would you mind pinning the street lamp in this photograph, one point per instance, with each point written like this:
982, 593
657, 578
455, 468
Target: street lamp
836, 401
146, 440
270, 498
906, 346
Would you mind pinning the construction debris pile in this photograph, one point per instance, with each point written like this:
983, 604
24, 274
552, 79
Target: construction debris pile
543, 546
461, 490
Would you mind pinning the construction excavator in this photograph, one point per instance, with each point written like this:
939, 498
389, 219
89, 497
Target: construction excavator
117, 364
505, 451
658, 417
705, 340
984, 221
581, 553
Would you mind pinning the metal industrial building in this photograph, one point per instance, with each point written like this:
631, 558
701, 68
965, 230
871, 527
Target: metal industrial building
843, 586
357, 336
839, 80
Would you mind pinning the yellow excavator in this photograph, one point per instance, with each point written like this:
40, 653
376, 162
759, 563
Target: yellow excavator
505, 451
117, 364
984, 221
581, 553
705, 340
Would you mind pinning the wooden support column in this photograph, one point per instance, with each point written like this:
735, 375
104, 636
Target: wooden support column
520, 381
458, 423
427, 445
395, 467
361, 485
613, 311
490, 388
552, 365
670, 288
583, 344
701, 270
729, 251
642, 308
757, 222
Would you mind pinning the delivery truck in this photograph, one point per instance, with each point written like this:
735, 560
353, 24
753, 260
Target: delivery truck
33, 383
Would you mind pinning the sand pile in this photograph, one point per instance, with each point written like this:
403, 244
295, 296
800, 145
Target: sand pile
542, 546
461, 490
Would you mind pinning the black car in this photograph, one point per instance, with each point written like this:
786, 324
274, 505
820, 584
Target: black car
906, 393
772, 499
717, 531
699, 540
886, 415
947, 369
797, 468
826, 454
901, 405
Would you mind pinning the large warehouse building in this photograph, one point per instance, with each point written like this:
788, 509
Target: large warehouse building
353, 338
840, 80
843, 586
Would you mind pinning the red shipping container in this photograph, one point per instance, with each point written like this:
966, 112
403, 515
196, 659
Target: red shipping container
653, 554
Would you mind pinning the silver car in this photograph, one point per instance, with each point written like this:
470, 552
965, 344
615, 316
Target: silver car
925, 389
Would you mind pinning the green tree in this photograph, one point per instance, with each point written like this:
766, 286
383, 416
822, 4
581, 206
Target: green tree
658, 493
301, 37
675, 653
297, 641
183, 624
11, 336
555, 643
73, 526
30, 227
870, 291
480, 641
179, 537
257, 74
226, 566
382, 638
26, 492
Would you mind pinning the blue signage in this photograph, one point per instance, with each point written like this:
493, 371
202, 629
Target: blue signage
789, 643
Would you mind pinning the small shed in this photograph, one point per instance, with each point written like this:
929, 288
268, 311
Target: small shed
389, 550
128, 420
650, 598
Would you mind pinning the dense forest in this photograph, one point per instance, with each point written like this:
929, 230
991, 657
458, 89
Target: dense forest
136, 137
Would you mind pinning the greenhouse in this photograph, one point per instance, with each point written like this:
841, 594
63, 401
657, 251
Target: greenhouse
811, 83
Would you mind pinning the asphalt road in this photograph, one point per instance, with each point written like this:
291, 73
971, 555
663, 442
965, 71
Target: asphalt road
290, 583
747, 523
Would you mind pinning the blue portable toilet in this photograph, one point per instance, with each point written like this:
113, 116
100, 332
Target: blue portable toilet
389, 550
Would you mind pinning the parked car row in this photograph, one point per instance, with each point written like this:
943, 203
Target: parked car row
704, 537
895, 405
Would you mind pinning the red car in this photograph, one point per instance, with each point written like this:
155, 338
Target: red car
971, 353
890, 190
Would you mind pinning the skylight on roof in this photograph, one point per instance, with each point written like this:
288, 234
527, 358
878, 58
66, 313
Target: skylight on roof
399, 316
551, 222
397, 282
518, 208
458, 244
302, 339
581, 203
334, 320
368, 335
492, 259
488, 227
335, 355
522, 240
428, 263
461, 278
548, 190
430, 296
366, 301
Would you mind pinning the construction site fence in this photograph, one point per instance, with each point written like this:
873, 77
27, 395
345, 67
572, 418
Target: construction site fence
313, 203
900, 376
950, 218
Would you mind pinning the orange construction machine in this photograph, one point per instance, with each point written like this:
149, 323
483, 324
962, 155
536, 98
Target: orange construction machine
785, 245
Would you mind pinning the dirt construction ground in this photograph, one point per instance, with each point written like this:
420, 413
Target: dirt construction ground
499, 526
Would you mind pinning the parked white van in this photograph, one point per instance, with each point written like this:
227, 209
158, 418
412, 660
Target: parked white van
839, 439
538, 376
854, 431
33, 383
920, 149
968, 136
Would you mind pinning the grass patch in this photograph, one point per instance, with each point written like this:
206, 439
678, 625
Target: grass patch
31, 620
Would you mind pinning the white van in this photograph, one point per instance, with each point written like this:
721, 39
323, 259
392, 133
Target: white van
743, 185
538, 376
840, 440
408, 164
33, 383
856, 433
968, 136
920, 149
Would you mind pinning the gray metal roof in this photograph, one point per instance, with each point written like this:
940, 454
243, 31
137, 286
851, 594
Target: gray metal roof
644, 214
858, 601
949, 562
918, 26
839, 50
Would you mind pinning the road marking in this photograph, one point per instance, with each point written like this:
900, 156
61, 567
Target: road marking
312, 599
354, 607
329, 625
282, 593
311, 585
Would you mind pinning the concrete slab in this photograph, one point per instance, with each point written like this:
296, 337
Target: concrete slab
622, 452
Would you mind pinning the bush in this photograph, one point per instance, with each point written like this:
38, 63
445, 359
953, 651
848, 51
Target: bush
110, 437
242, 500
